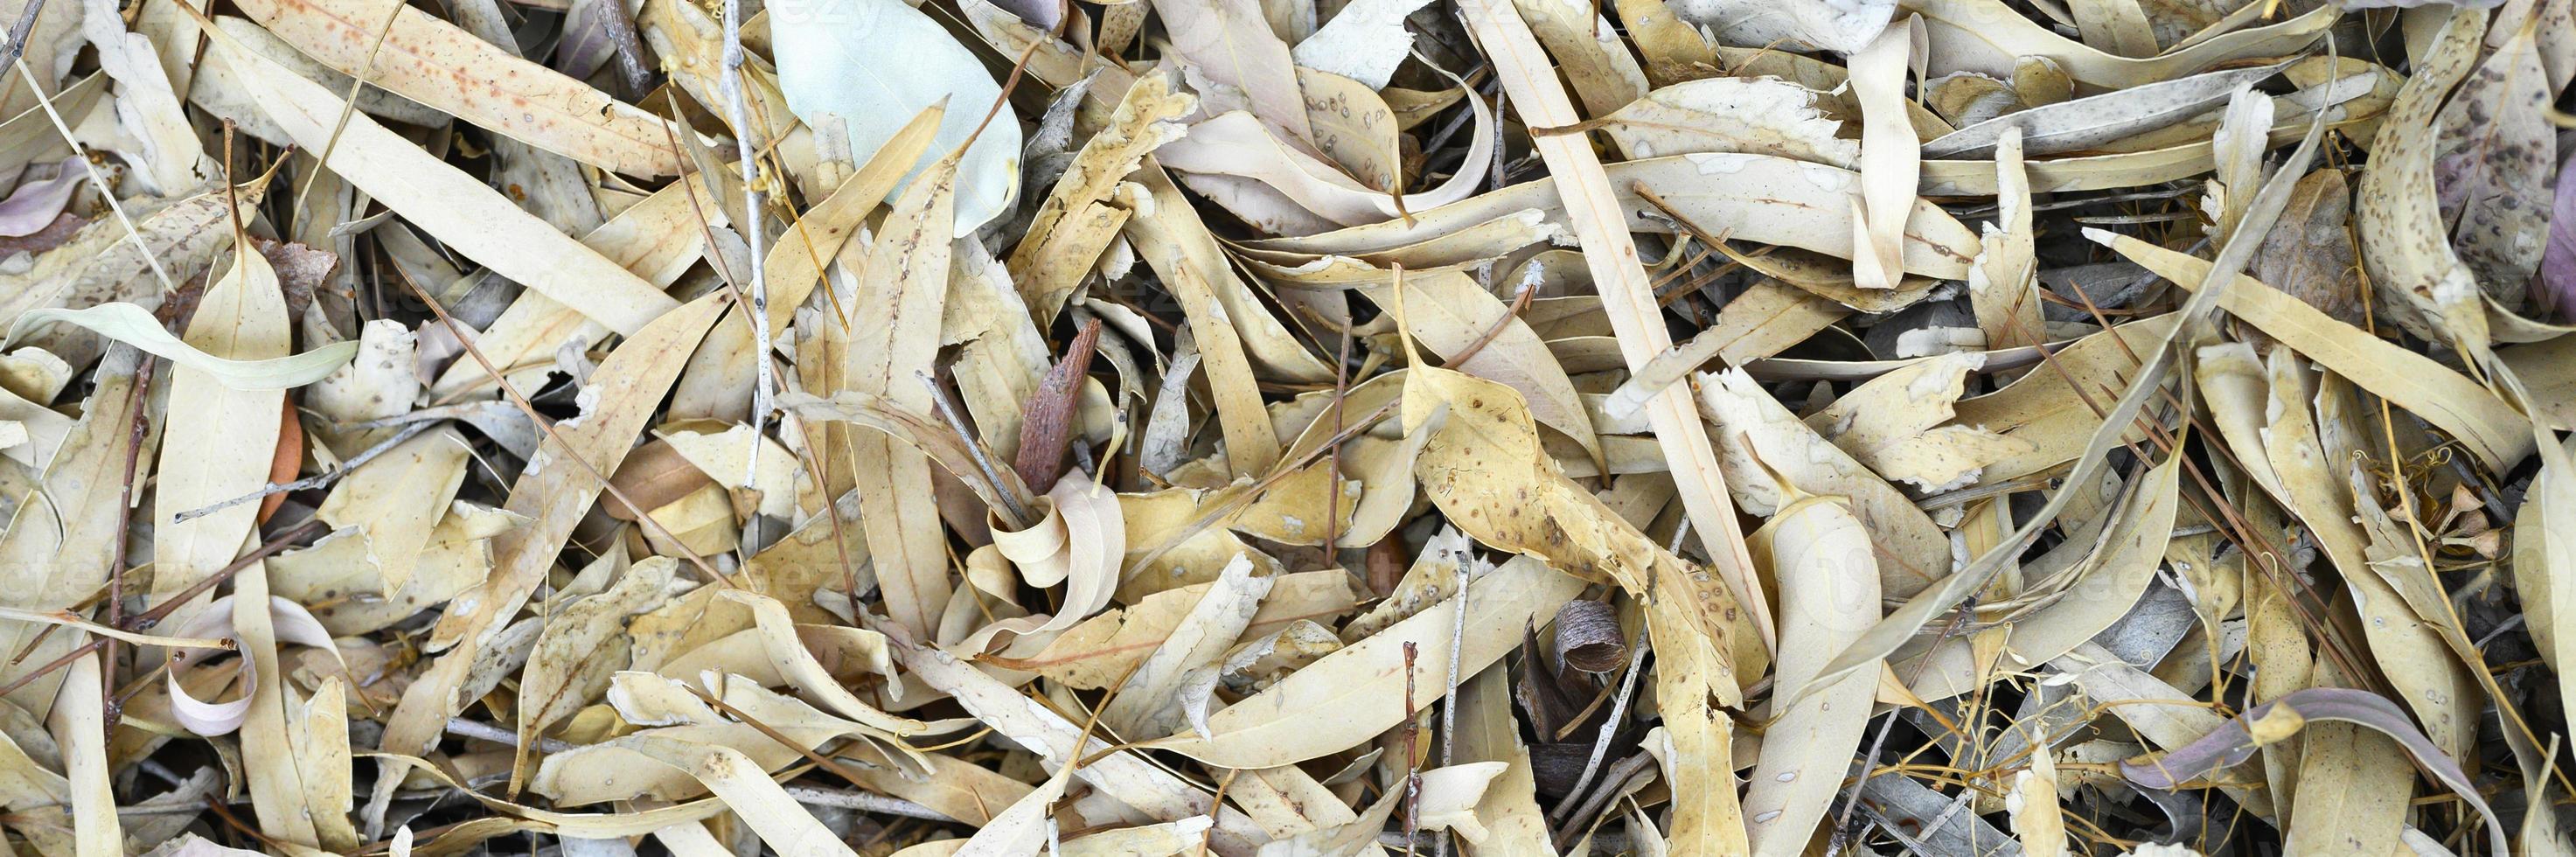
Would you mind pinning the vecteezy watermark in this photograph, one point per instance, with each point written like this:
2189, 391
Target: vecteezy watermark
848, 14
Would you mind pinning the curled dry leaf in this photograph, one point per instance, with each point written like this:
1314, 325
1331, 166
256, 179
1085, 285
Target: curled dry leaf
1240, 145
1889, 162
1081, 543
215, 619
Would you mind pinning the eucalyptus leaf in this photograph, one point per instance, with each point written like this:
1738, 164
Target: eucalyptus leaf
873, 64
2087, 122
135, 326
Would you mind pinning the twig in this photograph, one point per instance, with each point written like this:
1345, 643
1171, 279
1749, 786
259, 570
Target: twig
1412, 771
864, 802
642, 515
487, 732
95, 177
825, 762
620, 27
1341, 394
349, 105
1601, 742
1520, 302
235, 822
1457, 645
145, 620
18, 35
138, 429
764, 391
1449, 700
319, 480
1842, 820
1624, 770
948, 410
1217, 803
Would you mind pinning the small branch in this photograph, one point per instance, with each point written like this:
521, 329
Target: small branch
105, 192
1412, 772
620, 26
1601, 741
145, 620
138, 428
464, 728
18, 35
764, 393
864, 802
948, 410
1449, 700
319, 480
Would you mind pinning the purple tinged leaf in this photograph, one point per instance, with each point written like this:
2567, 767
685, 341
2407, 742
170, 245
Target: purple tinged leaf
2556, 289
34, 205
2233, 743
1042, 14
2226, 747
586, 44
2492, 178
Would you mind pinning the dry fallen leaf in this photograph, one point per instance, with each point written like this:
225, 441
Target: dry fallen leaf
1259, 429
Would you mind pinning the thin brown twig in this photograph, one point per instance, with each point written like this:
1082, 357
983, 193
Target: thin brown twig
145, 620
1868, 761
1412, 768
1341, 393
825, 762
18, 34
216, 803
1091, 720
139, 427
619, 24
1520, 303
2232, 523
1208, 836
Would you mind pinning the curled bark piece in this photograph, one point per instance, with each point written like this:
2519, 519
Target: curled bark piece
1588, 638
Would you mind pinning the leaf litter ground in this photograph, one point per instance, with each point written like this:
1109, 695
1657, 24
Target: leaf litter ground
1267, 428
